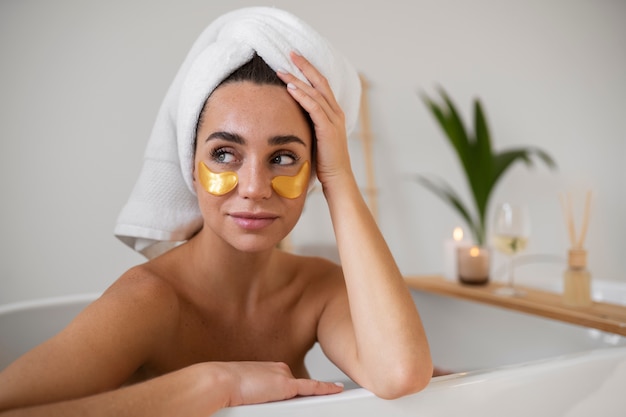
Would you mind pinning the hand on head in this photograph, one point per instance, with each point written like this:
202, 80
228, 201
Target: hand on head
328, 118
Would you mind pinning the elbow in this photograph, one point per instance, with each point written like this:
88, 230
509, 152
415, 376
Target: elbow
403, 381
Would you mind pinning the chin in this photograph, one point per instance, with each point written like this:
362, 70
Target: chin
253, 244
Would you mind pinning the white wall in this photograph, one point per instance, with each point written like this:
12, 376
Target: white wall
82, 80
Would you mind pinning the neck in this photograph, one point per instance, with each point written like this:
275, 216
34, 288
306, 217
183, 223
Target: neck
241, 277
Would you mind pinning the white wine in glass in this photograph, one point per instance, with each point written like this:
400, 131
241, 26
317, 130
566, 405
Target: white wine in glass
511, 229
510, 244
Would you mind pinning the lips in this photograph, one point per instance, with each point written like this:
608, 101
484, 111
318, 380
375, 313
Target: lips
253, 221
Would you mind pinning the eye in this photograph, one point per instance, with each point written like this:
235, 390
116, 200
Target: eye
285, 158
222, 155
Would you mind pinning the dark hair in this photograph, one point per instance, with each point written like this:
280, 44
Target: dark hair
258, 72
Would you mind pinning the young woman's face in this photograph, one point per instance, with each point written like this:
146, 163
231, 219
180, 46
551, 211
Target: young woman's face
257, 132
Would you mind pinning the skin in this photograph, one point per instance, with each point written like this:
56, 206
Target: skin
226, 318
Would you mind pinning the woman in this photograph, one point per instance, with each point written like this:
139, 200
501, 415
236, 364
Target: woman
226, 318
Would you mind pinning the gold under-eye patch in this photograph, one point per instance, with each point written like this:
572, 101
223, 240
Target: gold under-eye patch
224, 182
292, 187
216, 183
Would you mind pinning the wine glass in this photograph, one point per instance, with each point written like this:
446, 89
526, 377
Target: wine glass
511, 229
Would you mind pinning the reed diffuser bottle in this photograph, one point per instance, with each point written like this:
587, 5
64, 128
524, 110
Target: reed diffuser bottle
577, 279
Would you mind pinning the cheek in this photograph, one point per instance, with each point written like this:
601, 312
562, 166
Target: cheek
212, 209
298, 204
294, 210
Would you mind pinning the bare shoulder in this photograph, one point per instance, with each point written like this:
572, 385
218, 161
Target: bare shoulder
142, 287
142, 301
319, 274
140, 308
313, 266
100, 349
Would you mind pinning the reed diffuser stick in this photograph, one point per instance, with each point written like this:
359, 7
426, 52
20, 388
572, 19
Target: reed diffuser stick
577, 279
568, 213
583, 232
569, 220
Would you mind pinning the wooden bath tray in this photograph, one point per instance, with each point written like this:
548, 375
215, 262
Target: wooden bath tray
603, 316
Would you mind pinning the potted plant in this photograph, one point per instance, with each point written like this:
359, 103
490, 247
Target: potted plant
482, 165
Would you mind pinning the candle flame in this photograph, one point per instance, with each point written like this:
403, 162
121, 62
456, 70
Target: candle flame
457, 234
474, 252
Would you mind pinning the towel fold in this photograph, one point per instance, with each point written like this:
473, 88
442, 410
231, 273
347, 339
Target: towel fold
162, 209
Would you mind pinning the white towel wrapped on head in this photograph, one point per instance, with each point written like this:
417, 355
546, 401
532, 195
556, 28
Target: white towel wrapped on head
162, 209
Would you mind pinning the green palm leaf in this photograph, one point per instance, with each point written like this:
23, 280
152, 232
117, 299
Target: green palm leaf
504, 159
483, 157
482, 166
448, 195
452, 126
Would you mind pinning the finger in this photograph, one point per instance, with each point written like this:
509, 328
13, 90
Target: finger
319, 111
317, 80
319, 88
309, 97
309, 387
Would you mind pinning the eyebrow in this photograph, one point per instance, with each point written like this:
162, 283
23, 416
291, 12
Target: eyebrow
274, 140
283, 140
229, 137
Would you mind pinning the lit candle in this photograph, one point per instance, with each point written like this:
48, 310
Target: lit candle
473, 264
450, 247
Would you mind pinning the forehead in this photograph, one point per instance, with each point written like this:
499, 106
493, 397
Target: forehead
255, 112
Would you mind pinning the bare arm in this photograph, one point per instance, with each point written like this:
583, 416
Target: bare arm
167, 395
198, 390
80, 371
378, 339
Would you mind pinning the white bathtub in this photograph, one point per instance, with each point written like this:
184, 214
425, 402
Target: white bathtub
505, 363
586, 384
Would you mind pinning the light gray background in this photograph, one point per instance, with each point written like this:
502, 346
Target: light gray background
82, 81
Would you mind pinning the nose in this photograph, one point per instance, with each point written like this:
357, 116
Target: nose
255, 181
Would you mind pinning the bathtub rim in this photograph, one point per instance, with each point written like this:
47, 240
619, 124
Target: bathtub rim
447, 382
45, 302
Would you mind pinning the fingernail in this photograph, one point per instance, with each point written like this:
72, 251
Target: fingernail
339, 384
291, 86
295, 51
281, 71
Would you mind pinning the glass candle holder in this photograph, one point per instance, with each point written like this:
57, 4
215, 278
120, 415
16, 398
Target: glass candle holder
473, 265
